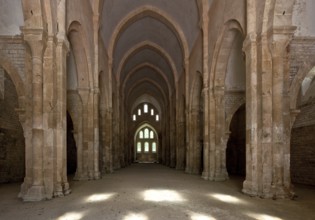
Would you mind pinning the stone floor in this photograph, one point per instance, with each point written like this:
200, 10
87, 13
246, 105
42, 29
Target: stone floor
152, 191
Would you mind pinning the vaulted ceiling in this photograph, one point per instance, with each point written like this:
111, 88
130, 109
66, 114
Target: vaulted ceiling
148, 42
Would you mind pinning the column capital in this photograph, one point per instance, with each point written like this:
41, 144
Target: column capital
281, 37
36, 38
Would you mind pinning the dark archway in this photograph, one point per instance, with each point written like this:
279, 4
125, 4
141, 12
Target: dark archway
12, 141
71, 147
236, 145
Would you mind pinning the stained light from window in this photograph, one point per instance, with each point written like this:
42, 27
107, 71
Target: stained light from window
141, 134
151, 135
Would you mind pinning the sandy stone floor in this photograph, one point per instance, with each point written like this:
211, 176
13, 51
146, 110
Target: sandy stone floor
151, 191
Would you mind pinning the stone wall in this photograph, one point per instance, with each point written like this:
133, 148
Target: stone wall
12, 143
13, 49
303, 146
302, 51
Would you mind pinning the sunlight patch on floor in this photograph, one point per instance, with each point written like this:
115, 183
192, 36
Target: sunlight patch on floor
134, 216
196, 216
100, 197
227, 198
162, 196
263, 216
71, 216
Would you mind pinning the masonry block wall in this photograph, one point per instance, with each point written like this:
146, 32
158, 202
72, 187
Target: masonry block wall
303, 146
12, 144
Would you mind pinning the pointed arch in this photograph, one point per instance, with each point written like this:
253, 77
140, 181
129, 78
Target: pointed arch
78, 42
148, 10
150, 45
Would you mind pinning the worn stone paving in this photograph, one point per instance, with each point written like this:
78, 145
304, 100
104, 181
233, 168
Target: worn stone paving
152, 191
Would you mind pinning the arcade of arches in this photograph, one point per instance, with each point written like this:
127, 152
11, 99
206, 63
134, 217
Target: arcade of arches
215, 88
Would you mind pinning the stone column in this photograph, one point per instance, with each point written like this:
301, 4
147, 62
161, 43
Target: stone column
97, 174
108, 142
172, 134
188, 140
61, 186
82, 152
36, 39
250, 185
220, 145
281, 183
180, 154
196, 150
206, 144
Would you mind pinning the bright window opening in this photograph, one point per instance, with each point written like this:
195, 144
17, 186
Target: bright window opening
157, 118
153, 147
146, 147
145, 108
139, 111
151, 135
152, 111
134, 117
139, 147
146, 133
141, 134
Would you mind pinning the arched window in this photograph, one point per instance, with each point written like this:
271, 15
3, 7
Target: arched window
157, 117
146, 133
139, 147
146, 147
134, 117
139, 111
141, 134
152, 111
151, 135
153, 147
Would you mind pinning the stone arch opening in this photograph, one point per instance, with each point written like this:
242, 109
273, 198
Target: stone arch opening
302, 150
71, 147
236, 144
12, 141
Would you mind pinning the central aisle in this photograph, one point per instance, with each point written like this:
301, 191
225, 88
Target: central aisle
154, 192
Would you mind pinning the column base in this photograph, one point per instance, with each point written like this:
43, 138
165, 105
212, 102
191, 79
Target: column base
276, 192
34, 194
62, 189
97, 175
221, 177
80, 177
205, 175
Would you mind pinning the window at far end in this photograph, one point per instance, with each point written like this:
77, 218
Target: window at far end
139, 147
146, 147
145, 108
146, 133
154, 147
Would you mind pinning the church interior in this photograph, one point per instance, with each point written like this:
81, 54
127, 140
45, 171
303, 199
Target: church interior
157, 109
